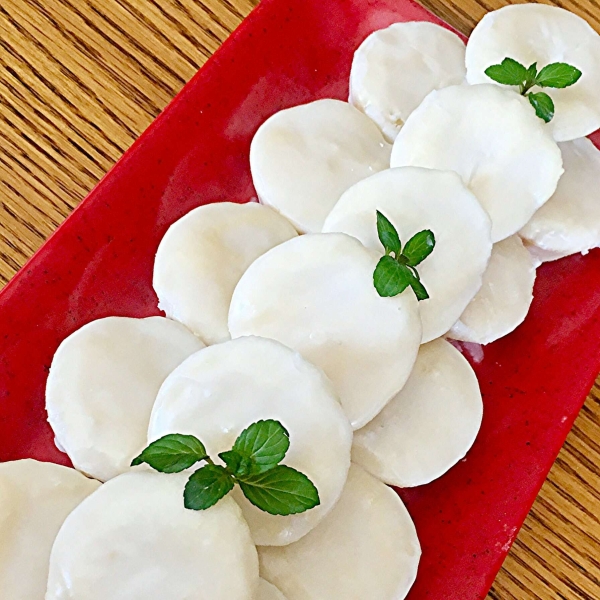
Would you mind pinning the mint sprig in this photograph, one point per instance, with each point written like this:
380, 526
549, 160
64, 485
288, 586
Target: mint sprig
509, 72
397, 269
280, 491
264, 444
172, 453
558, 76
206, 487
543, 105
555, 75
252, 463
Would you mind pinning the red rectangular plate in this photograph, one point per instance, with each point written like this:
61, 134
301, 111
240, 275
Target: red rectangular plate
99, 263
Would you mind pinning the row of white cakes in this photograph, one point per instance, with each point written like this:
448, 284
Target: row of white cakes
273, 314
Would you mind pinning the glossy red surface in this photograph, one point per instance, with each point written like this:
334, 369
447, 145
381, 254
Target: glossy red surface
100, 263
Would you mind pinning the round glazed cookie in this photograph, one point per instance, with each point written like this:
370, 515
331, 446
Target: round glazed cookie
429, 426
343, 557
315, 294
204, 254
133, 540
218, 392
493, 139
303, 159
570, 221
35, 499
537, 33
414, 199
396, 67
505, 297
102, 385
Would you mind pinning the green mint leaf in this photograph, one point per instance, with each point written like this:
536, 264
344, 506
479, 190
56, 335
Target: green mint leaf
232, 460
280, 491
388, 236
419, 247
390, 277
418, 288
172, 453
206, 487
529, 79
544, 107
237, 464
509, 72
558, 75
531, 75
265, 443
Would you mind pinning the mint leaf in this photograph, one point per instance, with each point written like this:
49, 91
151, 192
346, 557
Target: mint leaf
529, 79
558, 75
390, 277
509, 72
418, 288
280, 491
531, 75
206, 487
543, 104
172, 453
265, 443
237, 464
388, 236
419, 247
232, 460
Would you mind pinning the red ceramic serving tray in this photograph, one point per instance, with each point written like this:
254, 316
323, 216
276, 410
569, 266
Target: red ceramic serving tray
99, 263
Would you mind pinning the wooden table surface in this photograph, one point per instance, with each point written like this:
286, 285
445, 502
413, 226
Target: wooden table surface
81, 79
